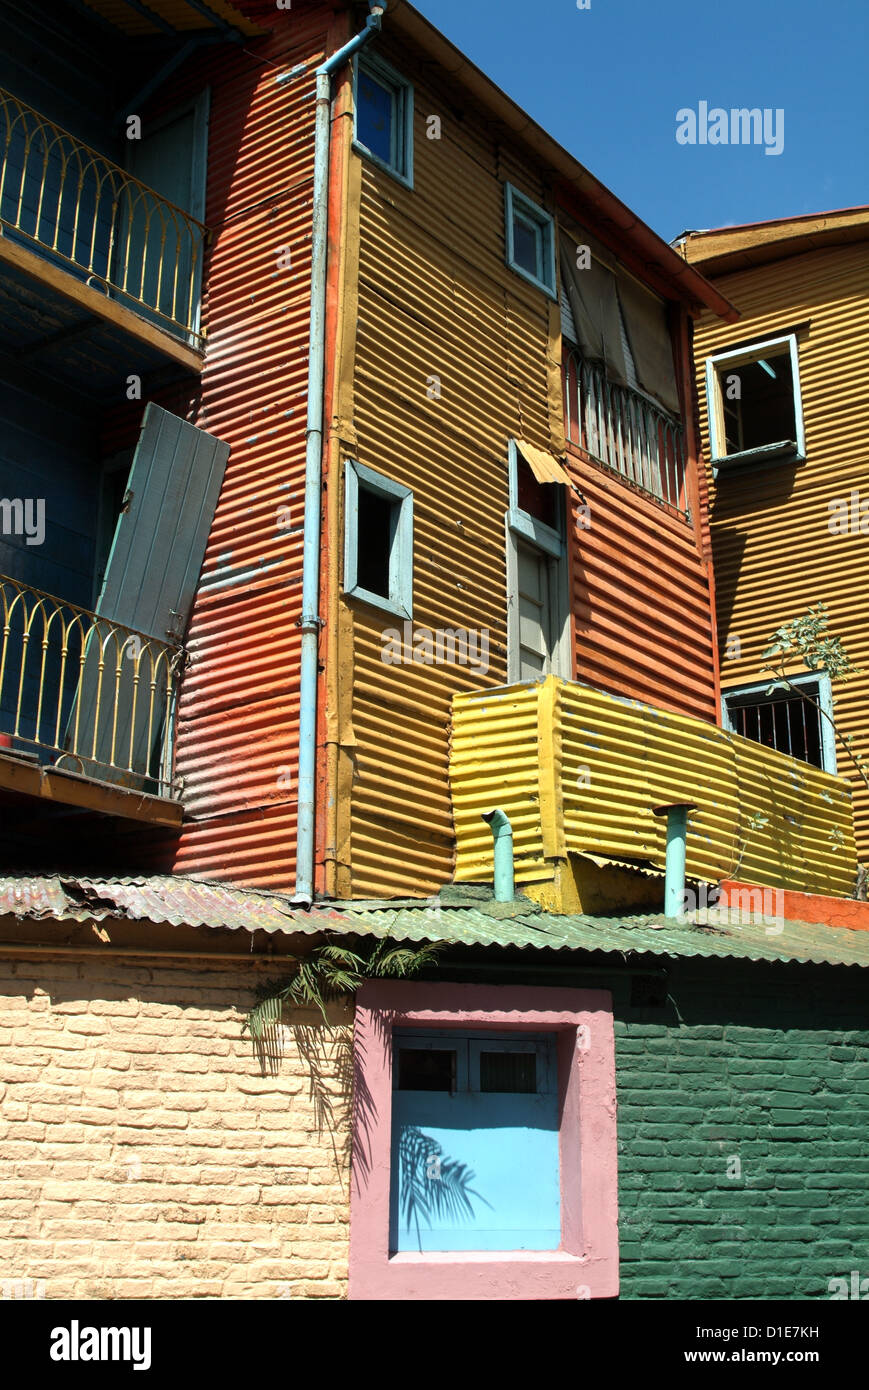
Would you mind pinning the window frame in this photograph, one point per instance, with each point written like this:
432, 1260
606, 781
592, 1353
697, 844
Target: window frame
402, 93
780, 451
586, 1264
521, 526
825, 702
517, 202
400, 600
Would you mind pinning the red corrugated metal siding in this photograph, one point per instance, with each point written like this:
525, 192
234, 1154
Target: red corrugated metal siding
237, 730
642, 619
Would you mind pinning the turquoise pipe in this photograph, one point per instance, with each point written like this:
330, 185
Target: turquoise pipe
674, 870
502, 834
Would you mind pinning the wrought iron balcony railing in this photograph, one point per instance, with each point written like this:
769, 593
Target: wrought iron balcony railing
85, 694
624, 429
98, 221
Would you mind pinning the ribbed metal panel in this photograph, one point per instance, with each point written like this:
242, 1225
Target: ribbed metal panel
603, 764
774, 553
640, 597
436, 299
237, 747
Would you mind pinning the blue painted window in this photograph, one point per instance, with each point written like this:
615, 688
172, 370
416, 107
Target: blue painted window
530, 240
384, 117
475, 1145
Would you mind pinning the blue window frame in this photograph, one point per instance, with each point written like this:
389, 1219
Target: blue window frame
378, 540
530, 240
473, 1115
383, 105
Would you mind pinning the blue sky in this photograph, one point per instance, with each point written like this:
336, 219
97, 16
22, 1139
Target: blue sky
607, 83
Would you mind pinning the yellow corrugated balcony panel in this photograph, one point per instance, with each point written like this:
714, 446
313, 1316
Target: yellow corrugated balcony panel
580, 773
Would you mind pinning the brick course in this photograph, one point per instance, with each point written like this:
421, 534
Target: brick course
767, 1067
144, 1155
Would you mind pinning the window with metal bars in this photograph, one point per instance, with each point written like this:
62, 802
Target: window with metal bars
783, 720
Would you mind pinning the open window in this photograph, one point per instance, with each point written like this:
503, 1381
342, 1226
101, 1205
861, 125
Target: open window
378, 540
538, 627
755, 410
530, 240
383, 103
797, 722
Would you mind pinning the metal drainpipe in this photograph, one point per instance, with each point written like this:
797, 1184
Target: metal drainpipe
311, 622
502, 833
674, 871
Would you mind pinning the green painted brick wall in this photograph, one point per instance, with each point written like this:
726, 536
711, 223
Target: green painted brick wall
743, 1124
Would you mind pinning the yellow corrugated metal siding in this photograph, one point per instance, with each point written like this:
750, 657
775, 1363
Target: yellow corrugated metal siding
760, 815
435, 299
774, 554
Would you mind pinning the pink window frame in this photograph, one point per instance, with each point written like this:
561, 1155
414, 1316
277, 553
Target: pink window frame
586, 1264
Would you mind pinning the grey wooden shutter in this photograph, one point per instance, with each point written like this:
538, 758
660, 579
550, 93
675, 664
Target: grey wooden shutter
149, 585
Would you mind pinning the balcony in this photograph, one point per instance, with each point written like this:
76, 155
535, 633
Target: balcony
86, 708
91, 253
580, 773
624, 430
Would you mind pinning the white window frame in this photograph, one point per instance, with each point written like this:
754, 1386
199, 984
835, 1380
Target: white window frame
515, 202
400, 601
741, 357
400, 164
520, 525
825, 702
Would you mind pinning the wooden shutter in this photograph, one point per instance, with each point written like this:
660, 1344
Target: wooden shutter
149, 585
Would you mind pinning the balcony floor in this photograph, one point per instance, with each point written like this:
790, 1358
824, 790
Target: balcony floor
23, 781
55, 323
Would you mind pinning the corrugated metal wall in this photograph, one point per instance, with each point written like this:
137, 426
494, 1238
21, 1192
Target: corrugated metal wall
642, 616
774, 553
237, 744
436, 300
586, 770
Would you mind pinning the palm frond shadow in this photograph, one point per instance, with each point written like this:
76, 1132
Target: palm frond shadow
433, 1185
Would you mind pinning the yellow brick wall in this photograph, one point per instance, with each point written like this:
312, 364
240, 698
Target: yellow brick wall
143, 1152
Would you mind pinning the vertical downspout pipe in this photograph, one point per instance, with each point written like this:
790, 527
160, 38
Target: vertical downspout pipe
674, 871
502, 833
311, 622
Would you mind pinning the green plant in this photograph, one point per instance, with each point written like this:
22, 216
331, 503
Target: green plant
807, 639
330, 972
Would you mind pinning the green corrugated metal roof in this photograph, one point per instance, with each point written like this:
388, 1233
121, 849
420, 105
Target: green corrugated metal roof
463, 915
748, 938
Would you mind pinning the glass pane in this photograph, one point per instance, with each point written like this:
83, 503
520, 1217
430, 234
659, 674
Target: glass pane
508, 1071
425, 1069
526, 245
374, 542
375, 116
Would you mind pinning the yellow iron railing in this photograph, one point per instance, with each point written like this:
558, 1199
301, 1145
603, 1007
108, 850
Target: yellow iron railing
86, 694
96, 219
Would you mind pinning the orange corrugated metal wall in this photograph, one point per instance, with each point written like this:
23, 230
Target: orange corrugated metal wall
237, 731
